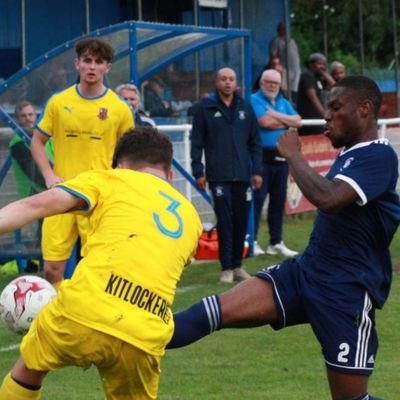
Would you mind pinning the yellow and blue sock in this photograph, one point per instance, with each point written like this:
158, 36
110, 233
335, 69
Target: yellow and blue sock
11, 390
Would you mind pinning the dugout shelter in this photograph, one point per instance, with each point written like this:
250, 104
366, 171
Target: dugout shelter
184, 57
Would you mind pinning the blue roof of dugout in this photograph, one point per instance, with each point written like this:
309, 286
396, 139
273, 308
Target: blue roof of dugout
141, 50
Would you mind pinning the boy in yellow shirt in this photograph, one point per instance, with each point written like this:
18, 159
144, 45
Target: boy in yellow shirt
85, 122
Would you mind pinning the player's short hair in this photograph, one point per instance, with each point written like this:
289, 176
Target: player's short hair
20, 106
144, 146
363, 88
95, 46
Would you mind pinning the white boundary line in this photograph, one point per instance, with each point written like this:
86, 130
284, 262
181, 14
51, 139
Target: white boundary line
189, 288
10, 347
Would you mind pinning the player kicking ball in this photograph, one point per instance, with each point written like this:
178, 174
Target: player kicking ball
115, 312
345, 272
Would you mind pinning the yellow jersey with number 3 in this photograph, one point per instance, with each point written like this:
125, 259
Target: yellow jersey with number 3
142, 232
84, 130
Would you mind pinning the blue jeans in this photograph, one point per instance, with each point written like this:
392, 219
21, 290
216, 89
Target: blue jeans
231, 206
275, 178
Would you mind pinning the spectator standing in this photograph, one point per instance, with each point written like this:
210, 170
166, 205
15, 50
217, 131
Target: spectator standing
130, 93
337, 70
274, 63
27, 175
115, 312
288, 56
310, 99
345, 272
225, 129
28, 178
274, 114
85, 121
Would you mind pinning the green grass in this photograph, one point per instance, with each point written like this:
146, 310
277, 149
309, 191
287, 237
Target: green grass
241, 364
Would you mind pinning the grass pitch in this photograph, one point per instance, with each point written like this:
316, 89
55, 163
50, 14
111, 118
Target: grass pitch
247, 364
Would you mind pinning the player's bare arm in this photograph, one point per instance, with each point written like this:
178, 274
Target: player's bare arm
22, 212
285, 119
38, 143
329, 196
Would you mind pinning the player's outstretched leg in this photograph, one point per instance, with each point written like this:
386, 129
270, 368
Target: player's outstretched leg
247, 304
348, 385
197, 321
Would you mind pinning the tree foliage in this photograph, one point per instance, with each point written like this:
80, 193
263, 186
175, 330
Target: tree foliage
343, 31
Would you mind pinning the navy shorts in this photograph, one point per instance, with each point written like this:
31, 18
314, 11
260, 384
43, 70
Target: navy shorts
341, 316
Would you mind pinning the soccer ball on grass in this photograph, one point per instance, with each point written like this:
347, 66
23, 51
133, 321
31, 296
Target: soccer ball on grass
22, 299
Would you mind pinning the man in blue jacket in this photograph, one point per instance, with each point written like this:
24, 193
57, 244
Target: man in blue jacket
226, 130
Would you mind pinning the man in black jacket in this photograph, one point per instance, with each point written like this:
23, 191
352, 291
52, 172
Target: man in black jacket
226, 129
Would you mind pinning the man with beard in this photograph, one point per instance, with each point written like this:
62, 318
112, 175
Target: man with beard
314, 82
28, 178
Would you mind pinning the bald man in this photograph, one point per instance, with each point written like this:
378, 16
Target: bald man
225, 130
274, 114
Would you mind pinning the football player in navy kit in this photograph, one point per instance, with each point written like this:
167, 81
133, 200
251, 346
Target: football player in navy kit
345, 272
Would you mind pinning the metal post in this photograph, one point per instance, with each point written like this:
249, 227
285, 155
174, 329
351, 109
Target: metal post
196, 55
242, 45
396, 57
186, 151
361, 28
241, 14
325, 28
247, 67
23, 34
87, 16
133, 59
287, 38
140, 10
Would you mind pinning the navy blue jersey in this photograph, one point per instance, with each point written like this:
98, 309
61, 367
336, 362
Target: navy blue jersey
351, 247
229, 139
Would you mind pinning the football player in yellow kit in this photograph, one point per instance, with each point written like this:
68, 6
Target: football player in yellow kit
85, 122
115, 312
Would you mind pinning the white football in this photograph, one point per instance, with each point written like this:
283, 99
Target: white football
22, 299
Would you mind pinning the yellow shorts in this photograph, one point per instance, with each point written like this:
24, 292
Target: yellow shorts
60, 233
54, 341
